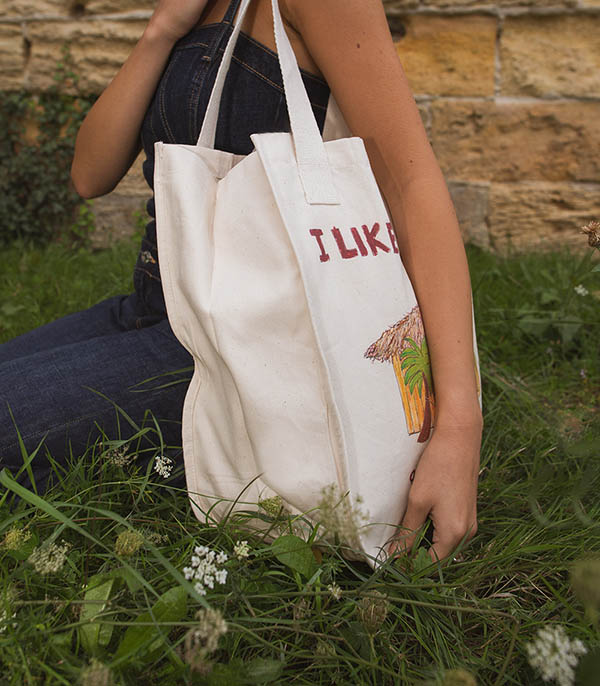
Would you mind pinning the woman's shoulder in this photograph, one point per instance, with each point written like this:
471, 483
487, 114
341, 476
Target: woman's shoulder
298, 12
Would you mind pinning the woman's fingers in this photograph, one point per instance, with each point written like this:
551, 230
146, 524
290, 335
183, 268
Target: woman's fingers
414, 518
449, 536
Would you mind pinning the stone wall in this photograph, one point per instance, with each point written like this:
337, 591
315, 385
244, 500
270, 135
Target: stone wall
509, 92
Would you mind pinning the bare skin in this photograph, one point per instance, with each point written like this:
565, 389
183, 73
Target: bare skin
372, 91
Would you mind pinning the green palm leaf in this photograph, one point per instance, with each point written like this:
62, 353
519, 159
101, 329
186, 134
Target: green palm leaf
414, 361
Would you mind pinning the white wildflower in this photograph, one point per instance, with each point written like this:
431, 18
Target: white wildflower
301, 609
118, 456
203, 639
205, 568
554, 655
163, 465
155, 538
338, 516
241, 549
5, 620
335, 590
49, 558
581, 290
211, 626
96, 674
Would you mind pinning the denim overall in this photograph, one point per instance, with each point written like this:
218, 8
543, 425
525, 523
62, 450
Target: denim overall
120, 345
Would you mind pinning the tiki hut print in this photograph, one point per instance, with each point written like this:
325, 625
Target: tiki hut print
405, 345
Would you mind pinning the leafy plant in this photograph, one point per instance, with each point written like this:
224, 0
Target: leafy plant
37, 201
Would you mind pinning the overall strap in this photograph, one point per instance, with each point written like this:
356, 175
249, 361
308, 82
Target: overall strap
231, 10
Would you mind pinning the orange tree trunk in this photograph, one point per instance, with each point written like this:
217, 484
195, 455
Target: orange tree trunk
426, 428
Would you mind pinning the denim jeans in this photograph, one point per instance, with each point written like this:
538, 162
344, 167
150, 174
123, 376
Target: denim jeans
63, 381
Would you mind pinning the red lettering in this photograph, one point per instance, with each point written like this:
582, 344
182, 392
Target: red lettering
317, 233
358, 240
392, 234
344, 252
372, 241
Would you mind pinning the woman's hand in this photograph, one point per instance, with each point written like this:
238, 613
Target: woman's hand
445, 489
175, 18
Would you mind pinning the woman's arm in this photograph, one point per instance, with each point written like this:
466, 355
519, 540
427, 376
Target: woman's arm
108, 140
351, 43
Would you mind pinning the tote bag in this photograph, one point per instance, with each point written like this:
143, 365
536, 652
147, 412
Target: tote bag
282, 278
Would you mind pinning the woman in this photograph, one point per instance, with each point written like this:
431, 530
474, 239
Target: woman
161, 93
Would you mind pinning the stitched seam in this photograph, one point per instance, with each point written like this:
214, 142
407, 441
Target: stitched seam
161, 99
268, 80
195, 44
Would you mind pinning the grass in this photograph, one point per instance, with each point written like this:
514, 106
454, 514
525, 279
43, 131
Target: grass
41, 284
131, 610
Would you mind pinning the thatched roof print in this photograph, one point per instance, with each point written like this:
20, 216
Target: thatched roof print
392, 340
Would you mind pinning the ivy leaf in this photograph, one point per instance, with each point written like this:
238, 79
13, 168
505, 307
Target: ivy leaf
128, 576
95, 634
225, 675
263, 671
294, 553
568, 328
146, 638
357, 638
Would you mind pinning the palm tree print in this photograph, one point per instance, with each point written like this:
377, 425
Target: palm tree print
404, 345
414, 361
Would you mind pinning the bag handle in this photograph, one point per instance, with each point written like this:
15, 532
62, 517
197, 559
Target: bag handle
311, 156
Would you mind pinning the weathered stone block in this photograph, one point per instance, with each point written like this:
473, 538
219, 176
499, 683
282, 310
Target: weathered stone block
25, 8
393, 6
12, 57
98, 50
488, 141
449, 55
471, 204
115, 217
134, 183
72, 8
116, 214
113, 6
572, 41
540, 215
425, 112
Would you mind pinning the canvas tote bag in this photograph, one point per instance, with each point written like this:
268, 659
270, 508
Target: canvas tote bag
282, 278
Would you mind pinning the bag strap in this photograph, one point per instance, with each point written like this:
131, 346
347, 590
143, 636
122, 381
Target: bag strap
206, 139
311, 156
